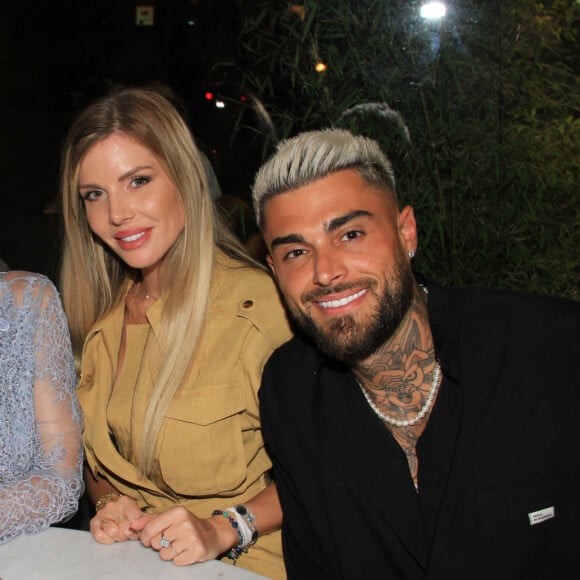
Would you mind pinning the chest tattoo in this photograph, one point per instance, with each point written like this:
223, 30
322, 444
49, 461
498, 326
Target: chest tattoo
400, 378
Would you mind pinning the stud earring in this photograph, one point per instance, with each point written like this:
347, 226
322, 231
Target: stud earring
411, 254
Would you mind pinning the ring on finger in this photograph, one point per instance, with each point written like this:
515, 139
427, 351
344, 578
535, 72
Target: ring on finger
164, 542
104, 523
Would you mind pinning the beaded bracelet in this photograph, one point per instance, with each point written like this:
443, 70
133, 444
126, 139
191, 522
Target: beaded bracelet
242, 519
105, 499
236, 551
246, 517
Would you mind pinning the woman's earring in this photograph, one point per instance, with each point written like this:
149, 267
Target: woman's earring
411, 254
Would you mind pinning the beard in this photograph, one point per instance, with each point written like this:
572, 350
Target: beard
345, 338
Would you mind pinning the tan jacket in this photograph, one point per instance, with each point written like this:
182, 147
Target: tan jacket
210, 447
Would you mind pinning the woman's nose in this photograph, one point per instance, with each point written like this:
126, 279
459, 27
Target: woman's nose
120, 211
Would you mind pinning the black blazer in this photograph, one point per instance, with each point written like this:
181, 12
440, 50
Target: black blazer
500, 452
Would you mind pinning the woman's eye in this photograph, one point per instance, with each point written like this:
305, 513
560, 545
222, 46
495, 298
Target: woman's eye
92, 195
140, 180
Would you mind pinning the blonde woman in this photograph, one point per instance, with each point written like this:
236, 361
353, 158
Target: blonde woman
176, 323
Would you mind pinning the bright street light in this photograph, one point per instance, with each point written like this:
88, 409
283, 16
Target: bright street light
433, 10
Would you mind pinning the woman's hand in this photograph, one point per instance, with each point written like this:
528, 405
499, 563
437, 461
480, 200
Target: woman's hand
112, 523
180, 536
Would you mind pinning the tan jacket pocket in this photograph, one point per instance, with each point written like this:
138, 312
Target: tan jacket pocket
201, 446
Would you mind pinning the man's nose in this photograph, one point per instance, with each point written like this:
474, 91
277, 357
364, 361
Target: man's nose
329, 267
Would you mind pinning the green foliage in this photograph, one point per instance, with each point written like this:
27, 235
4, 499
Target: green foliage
479, 115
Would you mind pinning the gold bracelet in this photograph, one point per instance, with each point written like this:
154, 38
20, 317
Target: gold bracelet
105, 499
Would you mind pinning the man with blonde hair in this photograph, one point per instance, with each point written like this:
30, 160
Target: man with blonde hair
416, 431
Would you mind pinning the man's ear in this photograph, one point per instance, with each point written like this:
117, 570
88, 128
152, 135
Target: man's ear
408, 228
270, 263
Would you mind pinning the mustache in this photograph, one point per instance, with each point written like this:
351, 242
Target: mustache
319, 293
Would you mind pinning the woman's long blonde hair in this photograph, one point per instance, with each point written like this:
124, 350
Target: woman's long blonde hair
94, 279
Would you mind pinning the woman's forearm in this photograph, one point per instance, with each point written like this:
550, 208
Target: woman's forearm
96, 487
267, 510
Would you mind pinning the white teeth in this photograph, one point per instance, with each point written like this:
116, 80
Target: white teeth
133, 237
342, 301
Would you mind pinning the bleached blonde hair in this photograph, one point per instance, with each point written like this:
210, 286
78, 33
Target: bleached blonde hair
313, 155
94, 279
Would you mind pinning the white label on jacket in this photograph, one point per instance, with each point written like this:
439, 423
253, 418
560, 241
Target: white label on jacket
542, 515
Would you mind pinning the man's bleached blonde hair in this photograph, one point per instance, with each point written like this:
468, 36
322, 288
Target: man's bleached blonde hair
314, 155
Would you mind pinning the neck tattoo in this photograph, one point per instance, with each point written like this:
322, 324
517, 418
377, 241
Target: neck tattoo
424, 409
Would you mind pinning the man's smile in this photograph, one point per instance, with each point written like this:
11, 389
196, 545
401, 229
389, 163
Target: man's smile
337, 303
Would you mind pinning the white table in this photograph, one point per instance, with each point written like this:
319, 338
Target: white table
63, 554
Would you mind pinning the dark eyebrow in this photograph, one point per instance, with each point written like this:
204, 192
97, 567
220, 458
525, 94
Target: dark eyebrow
337, 222
290, 239
329, 227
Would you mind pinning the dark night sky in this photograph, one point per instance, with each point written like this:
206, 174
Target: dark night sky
57, 56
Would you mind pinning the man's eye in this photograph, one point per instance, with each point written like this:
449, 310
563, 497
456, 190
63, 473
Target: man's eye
352, 235
293, 254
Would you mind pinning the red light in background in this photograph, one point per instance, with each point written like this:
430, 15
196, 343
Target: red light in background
209, 96
243, 98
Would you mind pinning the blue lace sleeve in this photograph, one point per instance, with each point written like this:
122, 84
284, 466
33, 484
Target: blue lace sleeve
40, 421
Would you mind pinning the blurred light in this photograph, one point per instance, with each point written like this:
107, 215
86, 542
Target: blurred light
219, 104
299, 10
209, 96
433, 10
320, 67
243, 98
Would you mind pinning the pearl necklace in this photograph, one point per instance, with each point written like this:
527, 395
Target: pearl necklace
408, 422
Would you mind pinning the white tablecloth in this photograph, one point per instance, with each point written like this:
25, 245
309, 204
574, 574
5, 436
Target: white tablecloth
63, 554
